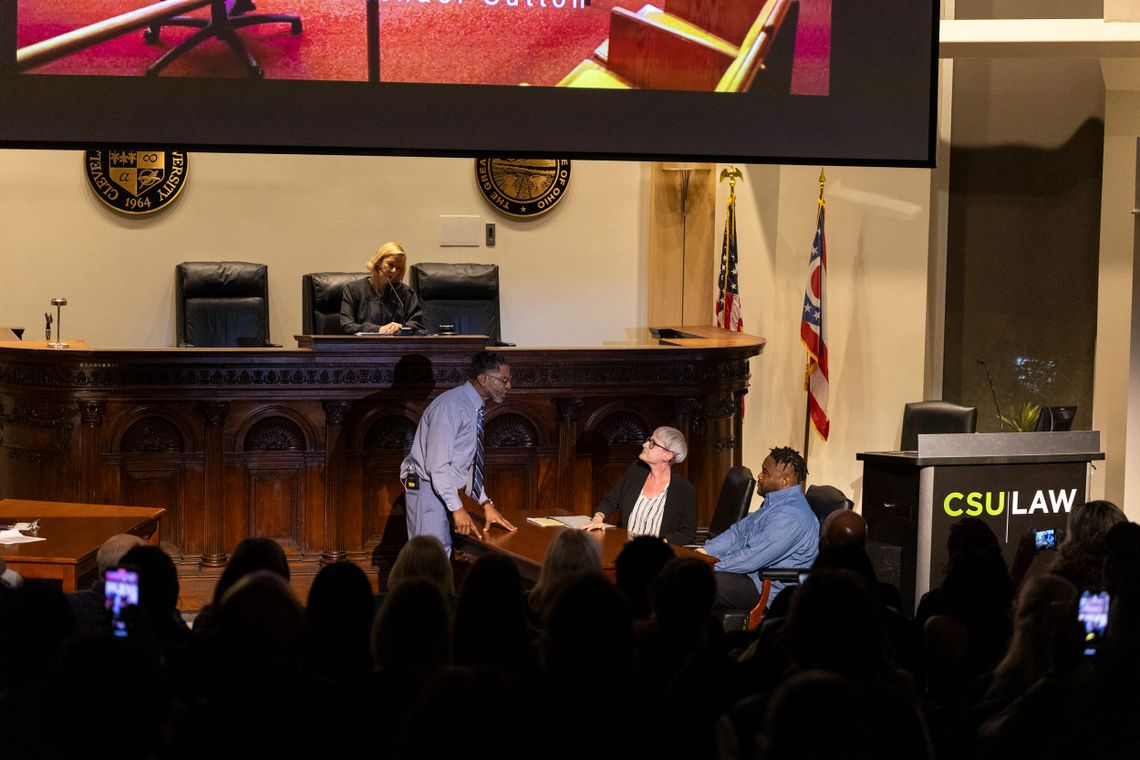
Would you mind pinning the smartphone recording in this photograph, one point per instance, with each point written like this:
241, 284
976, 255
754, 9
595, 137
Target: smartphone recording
120, 595
1092, 612
1045, 539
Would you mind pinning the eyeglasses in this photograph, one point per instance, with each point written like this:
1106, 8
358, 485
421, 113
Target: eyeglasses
654, 444
504, 380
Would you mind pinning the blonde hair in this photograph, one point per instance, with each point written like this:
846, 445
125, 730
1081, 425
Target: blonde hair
572, 553
423, 558
391, 248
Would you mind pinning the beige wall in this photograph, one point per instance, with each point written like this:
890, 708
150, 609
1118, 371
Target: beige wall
1116, 410
574, 276
877, 239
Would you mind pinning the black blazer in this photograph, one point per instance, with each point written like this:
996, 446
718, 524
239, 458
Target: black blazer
679, 519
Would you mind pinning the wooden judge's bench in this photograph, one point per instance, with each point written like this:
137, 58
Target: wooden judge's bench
304, 445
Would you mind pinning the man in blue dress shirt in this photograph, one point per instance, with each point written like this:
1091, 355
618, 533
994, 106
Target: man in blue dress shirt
447, 455
783, 532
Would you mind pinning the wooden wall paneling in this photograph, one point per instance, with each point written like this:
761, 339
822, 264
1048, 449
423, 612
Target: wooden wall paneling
569, 410
682, 244
148, 451
614, 439
383, 438
336, 412
585, 502
156, 480
91, 413
214, 415
384, 529
38, 440
276, 467
275, 498
719, 446
512, 438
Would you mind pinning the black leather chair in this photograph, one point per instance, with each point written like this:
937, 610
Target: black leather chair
320, 301
222, 304
924, 417
732, 504
826, 499
464, 295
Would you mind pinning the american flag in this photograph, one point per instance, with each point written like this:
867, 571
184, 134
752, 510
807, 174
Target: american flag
812, 329
728, 289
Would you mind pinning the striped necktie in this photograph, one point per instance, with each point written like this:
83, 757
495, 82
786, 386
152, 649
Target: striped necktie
477, 476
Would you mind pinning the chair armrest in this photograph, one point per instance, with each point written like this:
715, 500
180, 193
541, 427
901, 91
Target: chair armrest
782, 574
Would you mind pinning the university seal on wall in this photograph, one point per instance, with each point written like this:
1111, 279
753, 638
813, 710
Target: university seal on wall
136, 181
523, 187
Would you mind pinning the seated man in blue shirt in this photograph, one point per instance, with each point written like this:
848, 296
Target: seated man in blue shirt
783, 532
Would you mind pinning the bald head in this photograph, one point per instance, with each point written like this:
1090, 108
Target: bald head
843, 528
113, 549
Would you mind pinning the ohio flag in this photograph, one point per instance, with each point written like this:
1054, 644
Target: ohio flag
812, 331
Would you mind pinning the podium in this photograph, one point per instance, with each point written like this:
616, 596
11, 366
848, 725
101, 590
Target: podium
1016, 482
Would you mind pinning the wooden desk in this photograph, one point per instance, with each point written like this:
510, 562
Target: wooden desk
304, 445
77, 345
527, 546
73, 533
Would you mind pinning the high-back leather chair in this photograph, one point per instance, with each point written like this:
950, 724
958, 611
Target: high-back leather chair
464, 295
735, 496
320, 301
222, 304
824, 500
925, 417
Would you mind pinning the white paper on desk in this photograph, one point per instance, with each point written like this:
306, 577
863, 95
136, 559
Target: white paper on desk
13, 536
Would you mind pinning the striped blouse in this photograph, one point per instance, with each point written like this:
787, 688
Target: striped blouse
645, 519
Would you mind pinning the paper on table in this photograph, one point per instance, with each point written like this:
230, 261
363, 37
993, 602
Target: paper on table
544, 522
14, 536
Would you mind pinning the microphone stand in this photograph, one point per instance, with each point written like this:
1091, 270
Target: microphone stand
58, 303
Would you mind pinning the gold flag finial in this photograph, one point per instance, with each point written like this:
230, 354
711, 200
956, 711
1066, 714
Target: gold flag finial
731, 173
822, 182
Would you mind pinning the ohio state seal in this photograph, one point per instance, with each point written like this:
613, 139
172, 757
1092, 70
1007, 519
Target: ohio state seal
522, 187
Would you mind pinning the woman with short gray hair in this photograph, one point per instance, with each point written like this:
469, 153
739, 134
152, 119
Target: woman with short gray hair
650, 498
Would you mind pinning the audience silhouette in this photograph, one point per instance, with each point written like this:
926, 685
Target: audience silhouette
583, 666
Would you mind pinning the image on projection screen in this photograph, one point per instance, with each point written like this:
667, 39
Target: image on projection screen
692, 45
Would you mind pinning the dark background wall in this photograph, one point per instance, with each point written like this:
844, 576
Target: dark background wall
1025, 186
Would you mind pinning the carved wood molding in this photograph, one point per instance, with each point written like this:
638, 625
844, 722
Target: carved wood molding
289, 372
390, 432
152, 435
274, 434
623, 429
510, 431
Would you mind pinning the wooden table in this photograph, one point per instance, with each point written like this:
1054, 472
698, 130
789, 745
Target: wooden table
527, 546
74, 533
